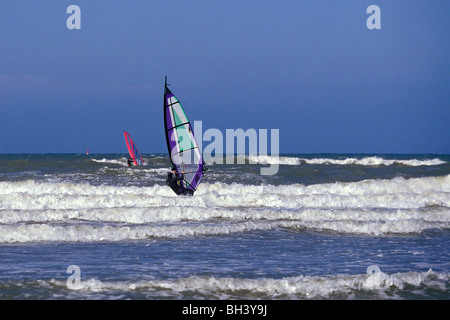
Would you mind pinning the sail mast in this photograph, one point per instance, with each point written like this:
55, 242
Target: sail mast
165, 119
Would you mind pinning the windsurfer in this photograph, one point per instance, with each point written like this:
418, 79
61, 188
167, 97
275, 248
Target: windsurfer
174, 182
130, 162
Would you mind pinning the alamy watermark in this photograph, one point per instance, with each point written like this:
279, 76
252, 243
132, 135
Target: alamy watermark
74, 280
375, 277
73, 22
236, 146
374, 20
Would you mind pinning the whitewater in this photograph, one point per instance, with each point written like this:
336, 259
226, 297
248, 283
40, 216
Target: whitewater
309, 232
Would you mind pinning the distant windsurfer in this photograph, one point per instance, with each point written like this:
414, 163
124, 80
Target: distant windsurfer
174, 182
130, 162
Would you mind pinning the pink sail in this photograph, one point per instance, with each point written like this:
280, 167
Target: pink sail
133, 151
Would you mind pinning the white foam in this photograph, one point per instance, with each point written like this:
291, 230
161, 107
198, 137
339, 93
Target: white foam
380, 286
89, 233
83, 232
365, 161
397, 193
122, 162
266, 159
44, 211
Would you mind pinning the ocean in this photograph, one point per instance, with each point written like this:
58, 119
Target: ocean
325, 227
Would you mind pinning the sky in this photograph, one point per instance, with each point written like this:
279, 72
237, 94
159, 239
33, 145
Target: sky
310, 68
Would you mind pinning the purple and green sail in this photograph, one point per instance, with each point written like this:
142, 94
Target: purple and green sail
185, 155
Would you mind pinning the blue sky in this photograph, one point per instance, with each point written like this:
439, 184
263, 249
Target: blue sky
310, 68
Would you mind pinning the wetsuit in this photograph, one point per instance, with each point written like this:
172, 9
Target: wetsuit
174, 182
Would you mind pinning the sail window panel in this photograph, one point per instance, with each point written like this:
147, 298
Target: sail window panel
188, 158
176, 119
190, 176
185, 137
179, 115
177, 161
172, 100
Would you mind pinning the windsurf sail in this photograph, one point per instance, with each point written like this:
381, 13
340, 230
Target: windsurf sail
185, 155
133, 151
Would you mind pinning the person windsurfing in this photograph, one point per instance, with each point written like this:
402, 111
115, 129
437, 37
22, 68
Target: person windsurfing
181, 144
174, 182
130, 162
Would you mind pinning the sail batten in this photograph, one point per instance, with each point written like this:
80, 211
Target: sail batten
184, 153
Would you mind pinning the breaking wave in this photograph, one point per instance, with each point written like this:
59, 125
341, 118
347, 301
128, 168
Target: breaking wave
44, 211
366, 161
121, 162
360, 286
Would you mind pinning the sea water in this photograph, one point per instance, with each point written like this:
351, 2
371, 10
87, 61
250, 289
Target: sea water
326, 226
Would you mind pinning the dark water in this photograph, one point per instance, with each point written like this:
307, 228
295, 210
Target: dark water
323, 227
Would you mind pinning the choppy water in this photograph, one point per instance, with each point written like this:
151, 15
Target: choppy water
314, 230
